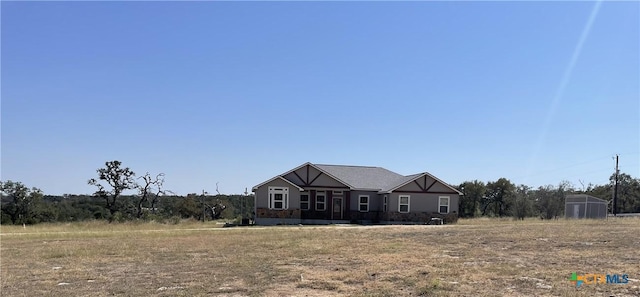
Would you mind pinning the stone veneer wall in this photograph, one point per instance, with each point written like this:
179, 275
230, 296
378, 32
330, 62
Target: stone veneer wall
278, 214
373, 216
420, 217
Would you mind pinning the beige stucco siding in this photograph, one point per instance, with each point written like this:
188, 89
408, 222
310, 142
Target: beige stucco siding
262, 194
439, 187
326, 181
412, 186
423, 202
374, 200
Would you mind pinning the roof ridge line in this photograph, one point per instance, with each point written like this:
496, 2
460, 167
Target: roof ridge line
349, 165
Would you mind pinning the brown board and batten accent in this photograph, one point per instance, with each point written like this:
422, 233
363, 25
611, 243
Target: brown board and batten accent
310, 176
426, 184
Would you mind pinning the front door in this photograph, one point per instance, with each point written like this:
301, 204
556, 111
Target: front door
336, 214
576, 211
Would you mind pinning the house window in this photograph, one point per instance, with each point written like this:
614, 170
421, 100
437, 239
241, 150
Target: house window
403, 203
364, 203
304, 201
278, 197
384, 204
321, 200
337, 193
444, 204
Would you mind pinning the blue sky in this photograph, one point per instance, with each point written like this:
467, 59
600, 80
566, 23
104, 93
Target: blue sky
237, 93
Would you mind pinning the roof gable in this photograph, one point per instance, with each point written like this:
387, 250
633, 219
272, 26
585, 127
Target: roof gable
312, 178
411, 178
403, 180
584, 198
274, 178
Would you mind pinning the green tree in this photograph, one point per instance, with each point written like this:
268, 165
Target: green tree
549, 200
564, 188
22, 204
628, 193
545, 205
117, 181
522, 203
499, 197
189, 207
474, 192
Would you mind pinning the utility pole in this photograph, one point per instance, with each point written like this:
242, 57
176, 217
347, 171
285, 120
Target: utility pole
242, 206
615, 191
203, 207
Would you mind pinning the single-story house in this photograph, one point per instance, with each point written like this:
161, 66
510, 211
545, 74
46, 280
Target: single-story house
326, 194
582, 206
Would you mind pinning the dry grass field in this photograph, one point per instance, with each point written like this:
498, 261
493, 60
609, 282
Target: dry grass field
472, 258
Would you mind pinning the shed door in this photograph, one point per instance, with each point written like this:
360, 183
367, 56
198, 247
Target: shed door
576, 211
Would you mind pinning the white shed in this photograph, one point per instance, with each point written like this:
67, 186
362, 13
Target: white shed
582, 206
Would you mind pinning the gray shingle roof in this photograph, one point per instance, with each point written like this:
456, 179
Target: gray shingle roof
363, 177
402, 180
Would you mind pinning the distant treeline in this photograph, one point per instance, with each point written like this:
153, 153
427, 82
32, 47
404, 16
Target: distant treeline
503, 198
169, 209
151, 201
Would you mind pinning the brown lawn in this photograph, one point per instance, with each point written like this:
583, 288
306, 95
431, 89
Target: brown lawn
472, 258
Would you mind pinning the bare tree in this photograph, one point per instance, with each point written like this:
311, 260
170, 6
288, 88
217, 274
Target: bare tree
156, 196
117, 179
150, 187
216, 209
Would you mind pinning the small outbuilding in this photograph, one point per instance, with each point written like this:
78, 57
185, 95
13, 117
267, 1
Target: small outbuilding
582, 206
